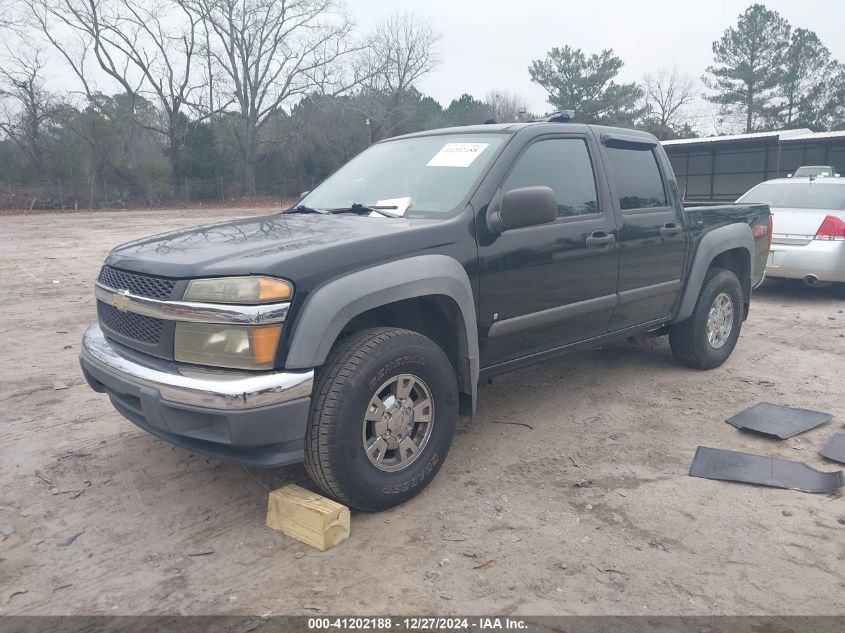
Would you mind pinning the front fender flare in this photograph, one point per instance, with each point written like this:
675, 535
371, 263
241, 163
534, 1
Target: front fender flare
334, 304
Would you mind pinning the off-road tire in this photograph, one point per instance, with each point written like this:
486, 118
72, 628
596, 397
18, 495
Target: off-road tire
688, 339
335, 457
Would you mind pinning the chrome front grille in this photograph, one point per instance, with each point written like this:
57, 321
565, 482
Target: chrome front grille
137, 284
134, 326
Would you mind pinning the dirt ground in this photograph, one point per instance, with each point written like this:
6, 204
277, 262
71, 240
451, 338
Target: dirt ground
106, 519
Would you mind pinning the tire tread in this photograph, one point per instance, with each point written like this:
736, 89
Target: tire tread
342, 368
683, 336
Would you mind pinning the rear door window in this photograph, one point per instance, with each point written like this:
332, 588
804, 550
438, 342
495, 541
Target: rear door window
637, 178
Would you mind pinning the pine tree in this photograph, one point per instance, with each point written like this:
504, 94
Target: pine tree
586, 85
750, 59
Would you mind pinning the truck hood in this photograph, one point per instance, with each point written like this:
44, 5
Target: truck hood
285, 245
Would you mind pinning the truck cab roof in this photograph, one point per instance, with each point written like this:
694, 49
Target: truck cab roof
538, 127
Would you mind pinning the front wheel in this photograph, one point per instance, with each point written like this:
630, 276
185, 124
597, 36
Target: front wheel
382, 418
707, 338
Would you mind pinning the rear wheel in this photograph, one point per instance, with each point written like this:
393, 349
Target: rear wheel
382, 419
707, 338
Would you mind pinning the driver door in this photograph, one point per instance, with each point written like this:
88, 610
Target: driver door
543, 287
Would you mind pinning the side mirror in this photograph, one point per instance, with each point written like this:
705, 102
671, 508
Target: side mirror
303, 194
526, 206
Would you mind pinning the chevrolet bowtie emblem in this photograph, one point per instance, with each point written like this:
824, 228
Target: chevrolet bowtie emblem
120, 300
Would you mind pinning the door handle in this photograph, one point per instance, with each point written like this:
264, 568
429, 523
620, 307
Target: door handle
670, 229
600, 238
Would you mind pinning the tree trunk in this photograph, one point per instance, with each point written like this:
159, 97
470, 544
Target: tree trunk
749, 112
248, 154
791, 109
176, 171
249, 177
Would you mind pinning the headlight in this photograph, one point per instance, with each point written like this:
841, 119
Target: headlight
239, 290
236, 346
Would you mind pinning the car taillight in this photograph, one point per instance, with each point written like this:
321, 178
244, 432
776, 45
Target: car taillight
831, 229
770, 225
760, 230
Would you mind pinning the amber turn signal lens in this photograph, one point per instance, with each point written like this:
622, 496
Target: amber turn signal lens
273, 289
234, 346
265, 340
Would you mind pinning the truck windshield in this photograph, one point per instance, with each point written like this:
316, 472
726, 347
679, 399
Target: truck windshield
799, 195
425, 176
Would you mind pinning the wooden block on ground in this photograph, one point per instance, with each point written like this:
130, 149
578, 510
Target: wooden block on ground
308, 517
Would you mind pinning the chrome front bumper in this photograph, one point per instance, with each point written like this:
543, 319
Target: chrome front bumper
225, 390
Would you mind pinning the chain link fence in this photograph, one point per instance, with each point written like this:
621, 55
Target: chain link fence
100, 193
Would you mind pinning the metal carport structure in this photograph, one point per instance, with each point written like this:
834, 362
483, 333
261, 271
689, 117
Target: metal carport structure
724, 167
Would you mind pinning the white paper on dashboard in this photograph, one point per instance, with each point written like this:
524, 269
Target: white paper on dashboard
457, 154
401, 204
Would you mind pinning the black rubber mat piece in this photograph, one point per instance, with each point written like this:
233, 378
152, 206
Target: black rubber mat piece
835, 448
778, 421
714, 463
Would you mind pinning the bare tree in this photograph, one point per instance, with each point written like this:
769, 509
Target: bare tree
25, 106
147, 48
506, 106
667, 94
272, 52
401, 51
9, 15
406, 45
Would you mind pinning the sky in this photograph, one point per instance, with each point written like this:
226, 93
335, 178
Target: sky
488, 45
491, 44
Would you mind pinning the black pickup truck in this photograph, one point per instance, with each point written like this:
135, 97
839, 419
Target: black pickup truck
352, 329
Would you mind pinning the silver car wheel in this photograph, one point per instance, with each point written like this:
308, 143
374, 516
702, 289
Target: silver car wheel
720, 320
398, 423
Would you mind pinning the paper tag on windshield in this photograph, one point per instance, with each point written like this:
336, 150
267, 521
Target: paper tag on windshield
401, 205
457, 155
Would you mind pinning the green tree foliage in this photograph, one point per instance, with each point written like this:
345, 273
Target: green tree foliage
428, 114
806, 70
322, 134
772, 77
749, 61
118, 129
466, 110
824, 107
391, 114
586, 85
812, 86
201, 156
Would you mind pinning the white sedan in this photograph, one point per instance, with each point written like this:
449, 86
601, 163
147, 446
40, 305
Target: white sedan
808, 227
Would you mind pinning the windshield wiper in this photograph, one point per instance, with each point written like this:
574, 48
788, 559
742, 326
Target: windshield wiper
364, 209
301, 208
